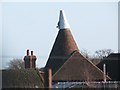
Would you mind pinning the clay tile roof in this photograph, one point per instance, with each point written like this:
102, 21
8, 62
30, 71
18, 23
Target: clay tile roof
65, 60
78, 68
23, 78
63, 47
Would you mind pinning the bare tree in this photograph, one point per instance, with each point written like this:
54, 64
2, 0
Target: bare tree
103, 53
85, 53
16, 64
97, 56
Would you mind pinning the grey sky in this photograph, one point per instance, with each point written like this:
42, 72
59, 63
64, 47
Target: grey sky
33, 25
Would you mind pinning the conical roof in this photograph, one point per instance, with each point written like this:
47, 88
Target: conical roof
65, 60
63, 47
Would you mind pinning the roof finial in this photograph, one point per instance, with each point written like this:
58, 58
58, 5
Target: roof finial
63, 23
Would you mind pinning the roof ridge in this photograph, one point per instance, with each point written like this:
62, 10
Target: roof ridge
96, 67
86, 60
66, 61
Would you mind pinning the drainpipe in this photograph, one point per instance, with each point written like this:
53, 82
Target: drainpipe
104, 70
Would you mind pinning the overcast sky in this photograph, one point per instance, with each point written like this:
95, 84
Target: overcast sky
33, 26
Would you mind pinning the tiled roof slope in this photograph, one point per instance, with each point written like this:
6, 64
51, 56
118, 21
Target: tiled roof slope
63, 47
24, 78
78, 68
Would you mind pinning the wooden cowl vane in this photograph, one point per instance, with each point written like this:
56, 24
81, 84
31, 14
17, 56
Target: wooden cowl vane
64, 45
30, 60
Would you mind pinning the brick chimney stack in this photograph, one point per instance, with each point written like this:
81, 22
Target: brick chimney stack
48, 78
30, 60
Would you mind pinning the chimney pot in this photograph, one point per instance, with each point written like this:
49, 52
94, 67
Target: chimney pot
32, 53
28, 52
